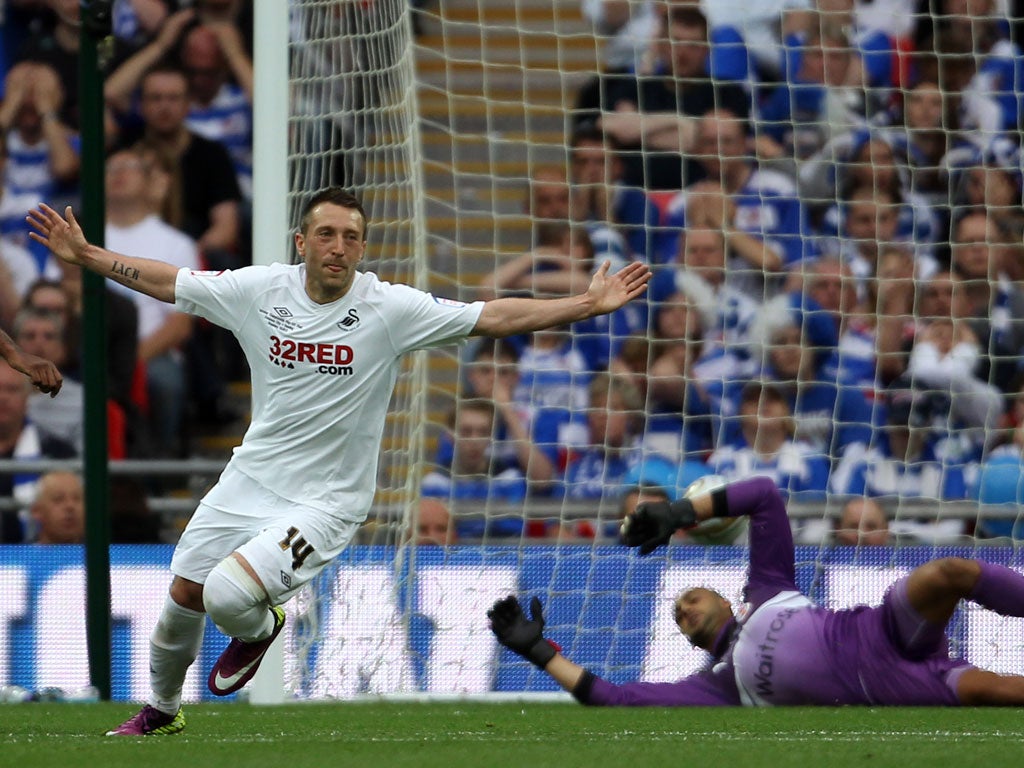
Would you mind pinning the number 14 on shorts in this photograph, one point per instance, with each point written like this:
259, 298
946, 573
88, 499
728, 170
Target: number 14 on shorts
300, 548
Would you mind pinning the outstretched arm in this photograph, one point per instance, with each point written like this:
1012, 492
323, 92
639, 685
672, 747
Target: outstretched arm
525, 637
607, 293
64, 237
772, 566
44, 374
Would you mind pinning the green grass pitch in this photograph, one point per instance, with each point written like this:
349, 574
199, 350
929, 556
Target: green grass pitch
514, 735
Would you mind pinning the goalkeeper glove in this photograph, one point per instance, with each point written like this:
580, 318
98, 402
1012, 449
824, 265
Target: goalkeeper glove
652, 523
519, 634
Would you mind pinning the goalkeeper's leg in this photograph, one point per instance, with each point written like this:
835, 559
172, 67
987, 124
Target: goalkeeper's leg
935, 588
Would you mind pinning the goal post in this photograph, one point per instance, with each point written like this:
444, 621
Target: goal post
455, 138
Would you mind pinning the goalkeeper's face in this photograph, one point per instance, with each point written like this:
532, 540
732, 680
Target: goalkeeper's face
331, 246
700, 614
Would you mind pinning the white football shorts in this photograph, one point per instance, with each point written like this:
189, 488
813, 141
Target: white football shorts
287, 544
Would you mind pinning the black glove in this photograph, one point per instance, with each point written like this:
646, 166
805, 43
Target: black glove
519, 634
652, 523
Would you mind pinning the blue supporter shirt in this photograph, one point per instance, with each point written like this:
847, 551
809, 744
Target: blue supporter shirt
507, 487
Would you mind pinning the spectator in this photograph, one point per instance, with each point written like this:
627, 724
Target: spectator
699, 269
757, 210
206, 191
527, 438
58, 511
993, 68
930, 129
434, 525
652, 117
220, 81
40, 332
796, 342
474, 475
133, 226
65, 300
913, 456
862, 523
625, 27
21, 439
57, 48
768, 446
678, 423
870, 221
553, 373
602, 201
41, 150
207, 188
949, 354
764, 26
21, 262
221, 88
874, 334
989, 182
818, 98
868, 159
548, 199
614, 425
560, 263
948, 60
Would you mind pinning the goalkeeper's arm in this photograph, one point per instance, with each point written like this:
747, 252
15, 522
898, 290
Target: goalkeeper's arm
652, 523
525, 637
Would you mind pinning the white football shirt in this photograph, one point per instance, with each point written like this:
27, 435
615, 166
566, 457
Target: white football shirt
322, 375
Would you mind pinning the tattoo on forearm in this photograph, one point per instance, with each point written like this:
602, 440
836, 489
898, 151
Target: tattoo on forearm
128, 273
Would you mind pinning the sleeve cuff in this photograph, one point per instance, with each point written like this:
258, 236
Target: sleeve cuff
582, 689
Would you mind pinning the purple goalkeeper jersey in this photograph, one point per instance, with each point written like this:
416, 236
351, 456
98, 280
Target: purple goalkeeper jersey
782, 649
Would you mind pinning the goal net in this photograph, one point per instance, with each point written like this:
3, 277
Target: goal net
830, 202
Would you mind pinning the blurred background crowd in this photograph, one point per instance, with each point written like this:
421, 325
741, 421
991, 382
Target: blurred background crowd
829, 193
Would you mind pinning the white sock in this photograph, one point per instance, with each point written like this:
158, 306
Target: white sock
237, 603
173, 647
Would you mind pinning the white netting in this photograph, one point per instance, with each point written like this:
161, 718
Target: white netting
507, 145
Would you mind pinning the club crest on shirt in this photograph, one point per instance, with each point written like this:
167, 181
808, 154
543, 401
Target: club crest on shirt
449, 302
350, 322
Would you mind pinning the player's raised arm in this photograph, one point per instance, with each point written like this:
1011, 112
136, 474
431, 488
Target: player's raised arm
44, 374
607, 293
65, 239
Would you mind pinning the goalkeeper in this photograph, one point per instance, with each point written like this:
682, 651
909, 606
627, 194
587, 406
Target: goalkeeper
782, 649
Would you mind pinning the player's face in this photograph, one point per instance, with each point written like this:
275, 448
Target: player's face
700, 614
332, 246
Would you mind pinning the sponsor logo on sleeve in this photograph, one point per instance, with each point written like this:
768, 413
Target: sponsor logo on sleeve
449, 302
207, 272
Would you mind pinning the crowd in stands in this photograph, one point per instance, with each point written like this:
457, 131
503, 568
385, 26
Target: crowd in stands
829, 193
177, 103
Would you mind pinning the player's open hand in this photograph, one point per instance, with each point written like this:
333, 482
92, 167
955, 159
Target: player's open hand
609, 292
519, 634
44, 374
63, 236
652, 523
